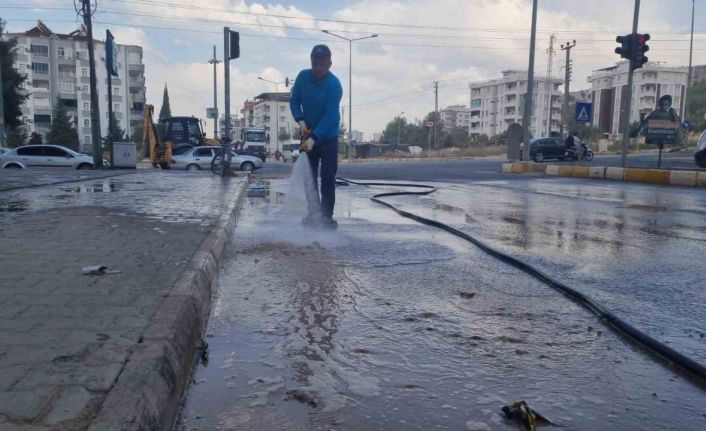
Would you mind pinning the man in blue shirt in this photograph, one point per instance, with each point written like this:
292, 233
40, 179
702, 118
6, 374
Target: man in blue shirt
314, 103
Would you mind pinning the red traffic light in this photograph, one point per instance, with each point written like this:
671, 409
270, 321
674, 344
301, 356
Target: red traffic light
642, 39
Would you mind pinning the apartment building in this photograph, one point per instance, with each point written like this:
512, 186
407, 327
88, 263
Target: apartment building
271, 111
497, 103
652, 81
455, 116
57, 69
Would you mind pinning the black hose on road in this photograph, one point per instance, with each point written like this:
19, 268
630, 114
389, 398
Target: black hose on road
671, 356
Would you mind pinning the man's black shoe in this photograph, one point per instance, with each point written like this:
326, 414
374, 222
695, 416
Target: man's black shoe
311, 221
329, 224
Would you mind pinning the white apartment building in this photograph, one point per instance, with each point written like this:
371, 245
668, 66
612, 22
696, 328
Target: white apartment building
455, 116
271, 111
57, 68
497, 103
358, 136
652, 81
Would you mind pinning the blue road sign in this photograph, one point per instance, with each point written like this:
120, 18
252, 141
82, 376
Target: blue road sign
111, 54
584, 112
685, 124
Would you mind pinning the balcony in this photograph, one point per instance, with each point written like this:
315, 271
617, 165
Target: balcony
86, 130
136, 115
136, 68
42, 110
116, 98
68, 95
138, 98
114, 81
86, 96
136, 82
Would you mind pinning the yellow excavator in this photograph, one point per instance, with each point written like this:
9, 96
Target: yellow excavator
170, 136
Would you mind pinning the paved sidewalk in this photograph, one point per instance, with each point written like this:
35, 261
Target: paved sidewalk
65, 337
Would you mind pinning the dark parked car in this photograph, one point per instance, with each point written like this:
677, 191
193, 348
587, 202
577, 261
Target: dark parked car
547, 148
700, 155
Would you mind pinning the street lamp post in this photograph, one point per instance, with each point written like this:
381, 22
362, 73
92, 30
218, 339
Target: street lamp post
276, 108
691, 52
350, 79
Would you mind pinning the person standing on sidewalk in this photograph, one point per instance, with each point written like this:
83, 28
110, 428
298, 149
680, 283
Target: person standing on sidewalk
314, 103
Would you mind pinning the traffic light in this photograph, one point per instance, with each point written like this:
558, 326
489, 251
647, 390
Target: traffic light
625, 50
640, 48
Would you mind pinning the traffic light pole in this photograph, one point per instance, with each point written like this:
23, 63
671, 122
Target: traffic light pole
529, 105
628, 104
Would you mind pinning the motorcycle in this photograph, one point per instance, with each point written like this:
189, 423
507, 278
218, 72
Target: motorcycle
586, 153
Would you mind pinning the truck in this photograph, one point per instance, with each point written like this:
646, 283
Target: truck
290, 151
253, 142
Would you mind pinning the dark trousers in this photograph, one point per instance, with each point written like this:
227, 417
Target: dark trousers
324, 153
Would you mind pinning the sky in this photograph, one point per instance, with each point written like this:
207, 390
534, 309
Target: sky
419, 42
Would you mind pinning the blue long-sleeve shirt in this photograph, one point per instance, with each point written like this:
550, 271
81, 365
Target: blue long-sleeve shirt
317, 103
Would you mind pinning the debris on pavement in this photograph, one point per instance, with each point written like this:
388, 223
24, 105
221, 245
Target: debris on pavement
523, 414
98, 270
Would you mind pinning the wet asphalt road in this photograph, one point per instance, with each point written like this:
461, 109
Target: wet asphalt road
387, 324
469, 169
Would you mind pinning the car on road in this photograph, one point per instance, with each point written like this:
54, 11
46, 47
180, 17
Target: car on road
542, 149
700, 154
200, 158
46, 156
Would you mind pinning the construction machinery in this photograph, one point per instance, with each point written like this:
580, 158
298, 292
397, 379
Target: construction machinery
171, 135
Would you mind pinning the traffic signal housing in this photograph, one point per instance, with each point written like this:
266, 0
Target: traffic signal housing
625, 48
640, 48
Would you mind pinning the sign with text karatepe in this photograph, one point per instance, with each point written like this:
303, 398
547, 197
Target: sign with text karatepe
662, 131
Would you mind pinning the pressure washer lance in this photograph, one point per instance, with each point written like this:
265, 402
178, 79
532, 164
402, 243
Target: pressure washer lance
308, 144
310, 185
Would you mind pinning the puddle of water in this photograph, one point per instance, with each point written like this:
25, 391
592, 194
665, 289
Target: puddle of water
11, 206
262, 189
107, 187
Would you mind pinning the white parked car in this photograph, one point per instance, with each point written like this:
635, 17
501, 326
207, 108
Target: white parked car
290, 151
44, 155
201, 157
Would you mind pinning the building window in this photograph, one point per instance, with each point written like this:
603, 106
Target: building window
85, 89
40, 50
40, 68
84, 72
86, 123
116, 90
475, 103
86, 106
87, 139
60, 52
66, 87
116, 107
42, 119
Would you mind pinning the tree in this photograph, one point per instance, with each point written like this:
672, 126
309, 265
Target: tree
16, 137
166, 111
62, 131
696, 114
115, 133
35, 139
12, 81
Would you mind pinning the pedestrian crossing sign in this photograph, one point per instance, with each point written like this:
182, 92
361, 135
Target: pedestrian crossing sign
584, 112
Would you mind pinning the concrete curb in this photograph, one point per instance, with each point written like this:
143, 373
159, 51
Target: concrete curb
148, 391
635, 175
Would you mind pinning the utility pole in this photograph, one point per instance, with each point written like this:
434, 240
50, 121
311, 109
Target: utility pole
2, 111
628, 104
567, 84
226, 63
436, 110
691, 53
550, 85
87, 13
527, 117
214, 61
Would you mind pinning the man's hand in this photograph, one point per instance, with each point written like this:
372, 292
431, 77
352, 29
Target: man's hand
307, 145
305, 131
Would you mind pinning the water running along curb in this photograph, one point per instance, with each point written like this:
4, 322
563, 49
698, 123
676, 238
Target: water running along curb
147, 393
